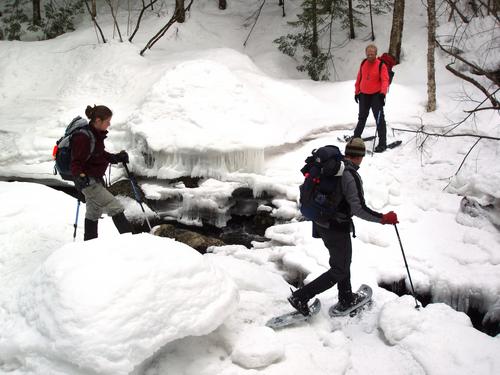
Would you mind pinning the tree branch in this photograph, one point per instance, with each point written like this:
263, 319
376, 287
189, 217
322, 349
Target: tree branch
92, 15
163, 30
473, 66
490, 10
471, 80
446, 135
454, 8
491, 97
144, 7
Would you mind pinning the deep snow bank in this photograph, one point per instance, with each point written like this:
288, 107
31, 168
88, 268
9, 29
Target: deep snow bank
440, 339
107, 305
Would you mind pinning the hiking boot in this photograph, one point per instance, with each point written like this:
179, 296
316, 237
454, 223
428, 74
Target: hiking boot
90, 231
380, 148
299, 305
121, 223
346, 304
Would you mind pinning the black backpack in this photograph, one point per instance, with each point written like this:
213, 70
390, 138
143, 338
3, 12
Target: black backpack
321, 192
62, 150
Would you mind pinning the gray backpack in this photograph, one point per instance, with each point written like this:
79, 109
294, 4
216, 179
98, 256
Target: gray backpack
62, 149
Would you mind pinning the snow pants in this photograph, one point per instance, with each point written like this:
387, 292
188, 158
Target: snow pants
375, 103
339, 246
99, 200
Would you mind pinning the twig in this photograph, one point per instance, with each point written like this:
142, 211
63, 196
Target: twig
445, 135
467, 154
255, 23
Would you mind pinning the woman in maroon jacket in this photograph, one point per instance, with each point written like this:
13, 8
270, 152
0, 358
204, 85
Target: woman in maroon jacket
89, 161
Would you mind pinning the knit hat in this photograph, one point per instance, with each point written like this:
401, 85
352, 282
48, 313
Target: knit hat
355, 147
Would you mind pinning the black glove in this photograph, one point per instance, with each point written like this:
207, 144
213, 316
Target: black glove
81, 182
382, 98
121, 157
356, 98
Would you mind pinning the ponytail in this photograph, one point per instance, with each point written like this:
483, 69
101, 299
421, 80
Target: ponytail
98, 111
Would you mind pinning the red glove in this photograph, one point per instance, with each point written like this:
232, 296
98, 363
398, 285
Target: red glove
389, 218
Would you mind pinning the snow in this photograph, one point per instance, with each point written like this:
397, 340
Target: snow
257, 347
429, 332
200, 104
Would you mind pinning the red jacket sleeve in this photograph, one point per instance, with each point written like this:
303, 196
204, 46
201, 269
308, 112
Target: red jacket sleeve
384, 79
357, 85
80, 151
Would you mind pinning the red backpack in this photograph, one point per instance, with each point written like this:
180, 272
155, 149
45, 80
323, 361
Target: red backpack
389, 62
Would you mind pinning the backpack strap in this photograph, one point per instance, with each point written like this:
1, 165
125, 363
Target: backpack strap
91, 137
379, 68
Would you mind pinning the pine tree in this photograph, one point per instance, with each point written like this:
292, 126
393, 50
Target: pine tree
314, 31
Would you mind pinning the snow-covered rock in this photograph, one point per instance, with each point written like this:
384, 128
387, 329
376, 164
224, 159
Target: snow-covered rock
257, 347
442, 340
107, 305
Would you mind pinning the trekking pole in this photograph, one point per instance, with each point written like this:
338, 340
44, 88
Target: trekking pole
417, 306
133, 182
376, 131
76, 219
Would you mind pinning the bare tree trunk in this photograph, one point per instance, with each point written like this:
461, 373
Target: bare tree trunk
92, 15
37, 16
397, 29
222, 4
93, 12
314, 43
431, 45
371, 19
113, 14
281, 3
351, 20
180, 13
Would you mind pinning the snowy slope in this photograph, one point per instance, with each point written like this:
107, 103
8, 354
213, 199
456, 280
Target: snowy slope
201, 104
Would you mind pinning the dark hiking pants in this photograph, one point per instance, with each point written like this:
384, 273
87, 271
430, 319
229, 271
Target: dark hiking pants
339, 246
373, 101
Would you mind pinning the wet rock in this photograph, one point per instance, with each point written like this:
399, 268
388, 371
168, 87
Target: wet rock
261, 221
124, 188
194, 239
188, 181
242, 193
165, 230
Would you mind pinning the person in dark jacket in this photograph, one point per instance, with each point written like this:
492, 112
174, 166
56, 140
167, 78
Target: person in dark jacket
336, 235
372, 84
88, 167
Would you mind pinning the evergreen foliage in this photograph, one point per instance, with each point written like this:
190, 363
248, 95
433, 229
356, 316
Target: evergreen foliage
57, 18
316, 55
13, 19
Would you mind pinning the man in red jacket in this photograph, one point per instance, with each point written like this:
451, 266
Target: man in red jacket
371, 86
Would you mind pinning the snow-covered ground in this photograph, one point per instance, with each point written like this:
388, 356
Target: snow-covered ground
201, 104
